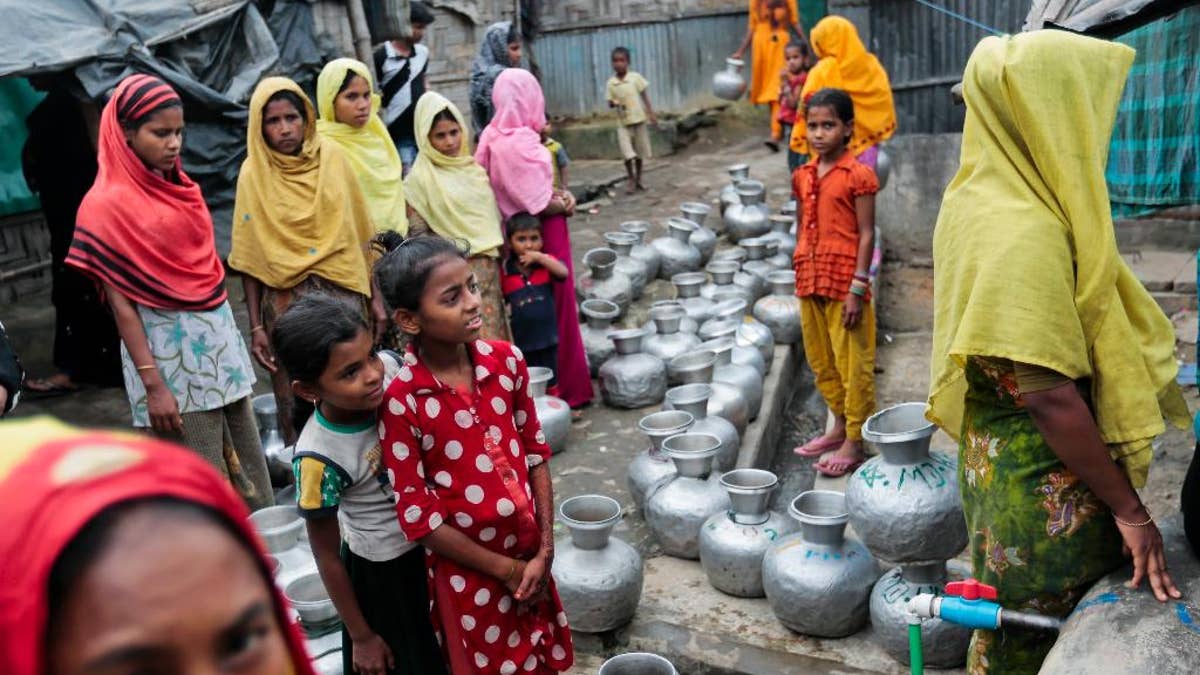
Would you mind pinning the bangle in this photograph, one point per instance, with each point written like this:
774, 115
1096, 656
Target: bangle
860, 291
1148, 521
511, 570
149, 367
259, 327
862, 277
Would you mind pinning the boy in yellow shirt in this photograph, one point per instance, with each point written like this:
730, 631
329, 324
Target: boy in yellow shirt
626, 92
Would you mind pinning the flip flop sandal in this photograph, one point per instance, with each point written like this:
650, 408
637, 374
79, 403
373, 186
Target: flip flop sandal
817, 446
838, 467
41, 388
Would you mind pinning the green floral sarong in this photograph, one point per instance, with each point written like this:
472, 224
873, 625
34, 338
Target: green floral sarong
1037, 532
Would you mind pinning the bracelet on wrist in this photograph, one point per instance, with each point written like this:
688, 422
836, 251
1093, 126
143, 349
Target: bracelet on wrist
147, 367
259, 327
1148, 521
511, 571
862, 277
860, 291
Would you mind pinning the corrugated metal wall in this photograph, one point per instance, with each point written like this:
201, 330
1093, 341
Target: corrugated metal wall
924, 52
678, 58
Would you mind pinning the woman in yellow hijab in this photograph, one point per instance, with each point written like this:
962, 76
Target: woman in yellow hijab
300, 223
451, 196
847, 65
349, 109
1051, 364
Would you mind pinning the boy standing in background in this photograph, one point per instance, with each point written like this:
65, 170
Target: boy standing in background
400, 67
626, 91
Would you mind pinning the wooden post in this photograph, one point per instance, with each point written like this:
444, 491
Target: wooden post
359, 30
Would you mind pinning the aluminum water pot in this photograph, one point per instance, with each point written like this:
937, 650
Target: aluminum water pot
818, 581
883, 167
668, 342
944, 644
904, 503
746, 357
599, 578
698, 212
726, 400
677, 255
775, 256
687, 293
266, 414
749, 217
704, 239
745, 378
729, 195
721, 272
734, 253
676, 511
552, 411
789, 209
598, 281
780, 311
628, 266
693, 399
756, 258
752, 285
650, 468
637, 663
780, 226
599, 315
632, 379
751, 332
647, 254
686, 325
733, 543
729, 83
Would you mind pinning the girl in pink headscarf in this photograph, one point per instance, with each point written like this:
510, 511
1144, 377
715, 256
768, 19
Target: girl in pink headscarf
522, 176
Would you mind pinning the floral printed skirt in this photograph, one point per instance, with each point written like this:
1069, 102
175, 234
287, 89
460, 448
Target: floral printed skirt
1037, 532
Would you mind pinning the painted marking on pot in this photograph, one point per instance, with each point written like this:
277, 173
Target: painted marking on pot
1102, 599
771, 533
1185, 617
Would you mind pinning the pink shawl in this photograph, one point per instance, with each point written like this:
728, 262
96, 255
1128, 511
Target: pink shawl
511, 149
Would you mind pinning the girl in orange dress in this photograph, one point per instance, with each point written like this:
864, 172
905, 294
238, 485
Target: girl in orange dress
768, 32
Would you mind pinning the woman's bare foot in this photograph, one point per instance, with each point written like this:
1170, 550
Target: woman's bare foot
847, 458
57, 383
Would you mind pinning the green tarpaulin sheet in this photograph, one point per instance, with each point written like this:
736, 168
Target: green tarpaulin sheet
17, 98
1154, 157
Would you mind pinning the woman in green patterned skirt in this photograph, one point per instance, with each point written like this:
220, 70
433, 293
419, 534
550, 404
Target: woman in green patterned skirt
1051, 362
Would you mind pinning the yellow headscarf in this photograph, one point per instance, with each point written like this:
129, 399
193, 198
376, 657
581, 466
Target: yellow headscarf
369, 148
847, 65
1025, 259
452, 193
298, 216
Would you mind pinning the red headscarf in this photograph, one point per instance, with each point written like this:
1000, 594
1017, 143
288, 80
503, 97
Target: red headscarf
149, 237
511, 149
56, 479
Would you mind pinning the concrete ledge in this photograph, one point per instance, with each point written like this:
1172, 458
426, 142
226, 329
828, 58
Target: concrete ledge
762, 435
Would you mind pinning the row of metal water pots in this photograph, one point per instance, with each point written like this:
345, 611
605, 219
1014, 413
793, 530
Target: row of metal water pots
903, 504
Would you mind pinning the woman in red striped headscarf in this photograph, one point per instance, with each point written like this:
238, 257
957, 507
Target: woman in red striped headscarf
144, 234
143, 561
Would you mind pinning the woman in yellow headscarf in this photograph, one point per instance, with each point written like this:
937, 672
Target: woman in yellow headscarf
300, 223
451, 196
768, 31
847, 65
349, 109
1051, 363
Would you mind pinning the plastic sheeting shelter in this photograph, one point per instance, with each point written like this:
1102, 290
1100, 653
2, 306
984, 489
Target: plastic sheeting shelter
212, 51
17, 98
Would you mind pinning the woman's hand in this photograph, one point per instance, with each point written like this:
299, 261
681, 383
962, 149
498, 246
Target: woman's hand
534, 577
372, 656
1145, 545
260, 347
568, 200
851, 310
513, 581
163, 409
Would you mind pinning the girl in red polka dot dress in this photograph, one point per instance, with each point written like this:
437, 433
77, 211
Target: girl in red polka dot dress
469, 463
